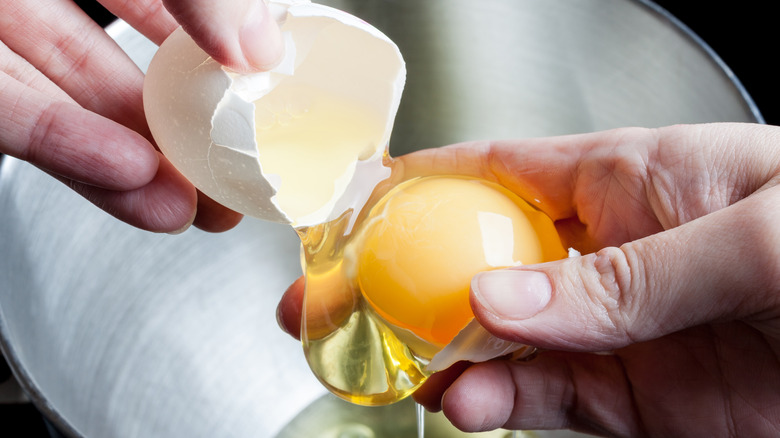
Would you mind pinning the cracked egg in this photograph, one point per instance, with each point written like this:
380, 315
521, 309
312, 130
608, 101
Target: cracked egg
255, 143
388, 259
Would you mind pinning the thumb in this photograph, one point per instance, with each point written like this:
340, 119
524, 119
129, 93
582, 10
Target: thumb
720, 267
242, 34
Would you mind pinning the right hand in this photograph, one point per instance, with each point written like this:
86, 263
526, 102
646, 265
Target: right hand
680, 282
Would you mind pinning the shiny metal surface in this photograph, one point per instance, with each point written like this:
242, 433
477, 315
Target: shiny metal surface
115, 332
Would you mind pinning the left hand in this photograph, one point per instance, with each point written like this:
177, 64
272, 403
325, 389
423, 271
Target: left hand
71, 100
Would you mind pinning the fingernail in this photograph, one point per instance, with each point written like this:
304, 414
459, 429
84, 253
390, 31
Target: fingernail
261, 41
185, 227
512, 294
180, 230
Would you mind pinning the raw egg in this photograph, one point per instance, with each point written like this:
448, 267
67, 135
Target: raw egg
388, 259
402, 268
428, 237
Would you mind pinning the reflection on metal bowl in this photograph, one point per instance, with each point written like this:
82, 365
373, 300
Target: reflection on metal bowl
117, 332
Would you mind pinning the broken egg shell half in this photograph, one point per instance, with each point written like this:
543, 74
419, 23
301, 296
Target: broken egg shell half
203, 116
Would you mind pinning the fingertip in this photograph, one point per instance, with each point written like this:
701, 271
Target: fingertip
481, 399
137, 161
213, 217
260, 39
512, 294
167, 204
243, 36
429, 395
290, 308
182, 229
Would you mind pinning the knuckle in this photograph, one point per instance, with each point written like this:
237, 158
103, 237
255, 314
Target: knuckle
43, 144
609, 290
761, 241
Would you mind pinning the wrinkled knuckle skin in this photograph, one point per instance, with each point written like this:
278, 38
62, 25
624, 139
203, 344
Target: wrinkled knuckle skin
762, 244
610, 289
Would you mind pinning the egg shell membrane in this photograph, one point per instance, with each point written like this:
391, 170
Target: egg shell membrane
202, 117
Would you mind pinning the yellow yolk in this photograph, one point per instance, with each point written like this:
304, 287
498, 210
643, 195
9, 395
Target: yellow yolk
428, 237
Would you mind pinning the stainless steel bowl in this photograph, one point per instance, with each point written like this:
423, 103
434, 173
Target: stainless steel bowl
114, 332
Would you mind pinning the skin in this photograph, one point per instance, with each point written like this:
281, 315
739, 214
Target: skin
70, 100
668, 325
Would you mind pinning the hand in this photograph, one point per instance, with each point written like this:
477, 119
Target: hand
680, 284
71, 100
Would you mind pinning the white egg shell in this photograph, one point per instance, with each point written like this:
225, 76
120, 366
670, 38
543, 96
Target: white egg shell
202, 116
473, 344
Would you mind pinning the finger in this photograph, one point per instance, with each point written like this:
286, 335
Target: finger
214, 217
23, 72
167, 204
558, 176
430, 394
242, 35
147, 16
722, 266
290, 308
542, 171
584, 392
65, 139
611, 187
65, 45
328, 304
643, 390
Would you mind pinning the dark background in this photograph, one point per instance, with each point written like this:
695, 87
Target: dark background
744, 34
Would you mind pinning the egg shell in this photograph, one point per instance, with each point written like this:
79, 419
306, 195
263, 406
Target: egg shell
202, 116
475, 344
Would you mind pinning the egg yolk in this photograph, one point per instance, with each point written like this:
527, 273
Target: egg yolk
425, 240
